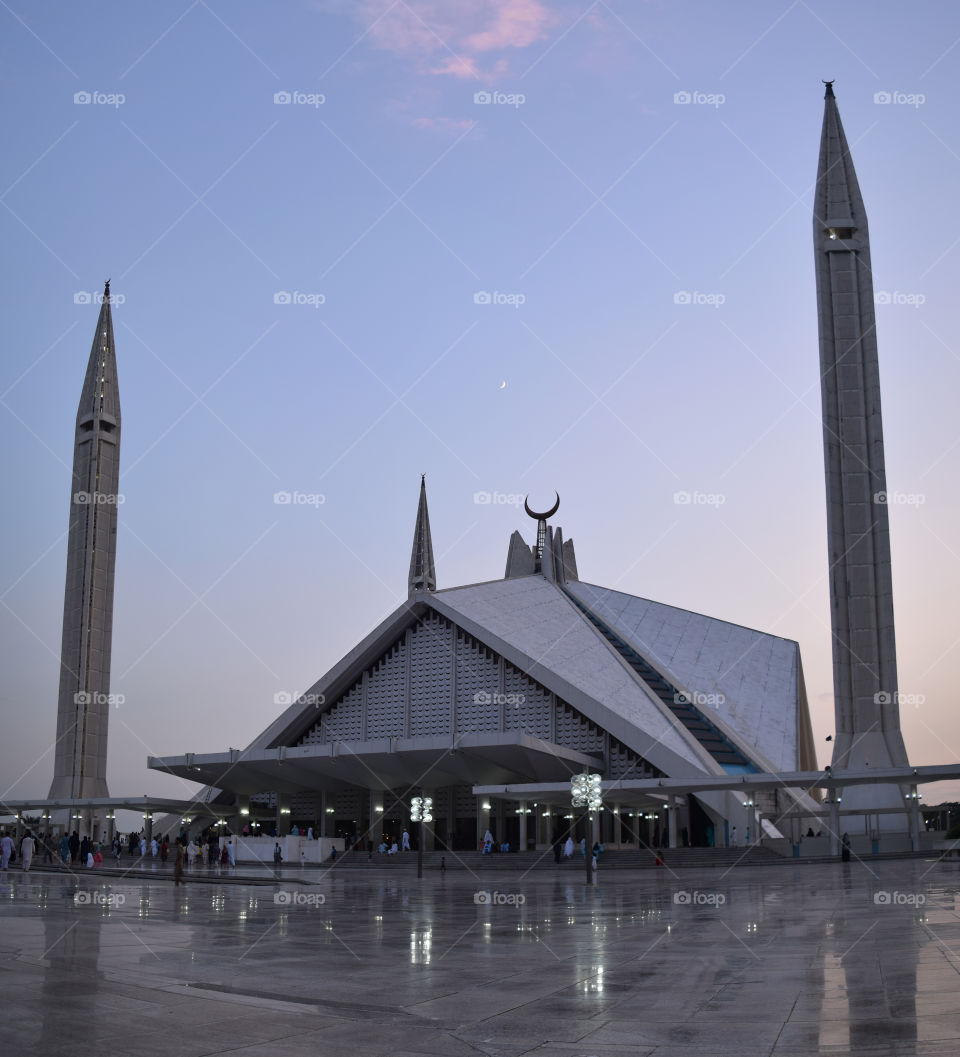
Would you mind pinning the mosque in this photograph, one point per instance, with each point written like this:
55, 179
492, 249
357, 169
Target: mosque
490, 698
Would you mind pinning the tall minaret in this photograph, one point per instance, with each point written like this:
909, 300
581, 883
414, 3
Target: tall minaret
80, 768
861, 595
423, 575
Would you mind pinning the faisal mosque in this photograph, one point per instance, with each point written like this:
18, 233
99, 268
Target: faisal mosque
489, 698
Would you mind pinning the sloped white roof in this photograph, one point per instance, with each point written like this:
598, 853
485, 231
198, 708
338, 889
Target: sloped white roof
531, 617
752, 676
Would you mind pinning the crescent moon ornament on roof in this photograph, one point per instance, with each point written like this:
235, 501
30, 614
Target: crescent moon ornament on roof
547, 514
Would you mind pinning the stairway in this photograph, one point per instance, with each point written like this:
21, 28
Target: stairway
719, 747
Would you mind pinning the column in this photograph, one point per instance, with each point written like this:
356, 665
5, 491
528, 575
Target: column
376, 817
834, 824
523, 825
322, 823
915, 826
672, 821
483, 818
148, 826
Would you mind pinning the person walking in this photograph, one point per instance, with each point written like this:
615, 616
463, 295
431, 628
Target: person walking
64, 849
74, 845
178, 865
27, 848
6, 850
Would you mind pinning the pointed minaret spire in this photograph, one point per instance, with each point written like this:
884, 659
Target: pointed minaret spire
861, 594
423, 574
80, 762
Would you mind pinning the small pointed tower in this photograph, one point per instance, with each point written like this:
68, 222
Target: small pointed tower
80, 762
423, 574
861, 595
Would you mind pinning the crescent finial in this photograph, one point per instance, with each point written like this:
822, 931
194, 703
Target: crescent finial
546, 514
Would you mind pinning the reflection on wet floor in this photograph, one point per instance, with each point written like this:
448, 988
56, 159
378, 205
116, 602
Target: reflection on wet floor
804, 959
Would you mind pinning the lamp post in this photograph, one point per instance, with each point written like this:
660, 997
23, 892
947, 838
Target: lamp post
421, 810
586, 791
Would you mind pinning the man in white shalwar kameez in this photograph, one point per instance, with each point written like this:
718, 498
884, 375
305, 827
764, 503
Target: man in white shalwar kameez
26, 852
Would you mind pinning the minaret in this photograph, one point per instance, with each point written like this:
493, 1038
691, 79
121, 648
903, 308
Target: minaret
423, 574
80, 767
861, 595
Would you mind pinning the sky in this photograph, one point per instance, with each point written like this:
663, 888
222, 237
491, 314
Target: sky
517, 246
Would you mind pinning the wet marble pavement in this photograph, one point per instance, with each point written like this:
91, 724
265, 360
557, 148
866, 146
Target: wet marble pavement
787, 960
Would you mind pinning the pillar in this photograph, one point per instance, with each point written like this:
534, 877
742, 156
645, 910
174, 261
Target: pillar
523, 825
483, 818
376, 817
148, 826
834, 825
671, 821
915, 826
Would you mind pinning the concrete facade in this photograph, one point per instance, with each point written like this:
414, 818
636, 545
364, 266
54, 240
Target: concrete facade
861, 594
83, 710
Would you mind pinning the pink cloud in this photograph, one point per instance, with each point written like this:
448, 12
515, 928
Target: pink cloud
448, 37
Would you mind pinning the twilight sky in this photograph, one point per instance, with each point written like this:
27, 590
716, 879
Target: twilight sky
517, 246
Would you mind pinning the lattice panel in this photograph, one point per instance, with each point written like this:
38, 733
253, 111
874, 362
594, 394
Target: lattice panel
344, 722
464, 802
527, 706
431, 668
478, 683
305, 805
263, 800
387, 694
623, 763
576, 732
347, 803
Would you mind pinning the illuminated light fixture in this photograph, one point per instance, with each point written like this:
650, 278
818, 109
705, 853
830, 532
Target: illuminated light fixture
244, 811
421, 809
586, 790
284, 811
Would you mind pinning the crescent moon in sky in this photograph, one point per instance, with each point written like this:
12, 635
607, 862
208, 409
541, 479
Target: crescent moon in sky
547, 514
503, 385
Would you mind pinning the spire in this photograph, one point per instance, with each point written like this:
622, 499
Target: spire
423, 574
838, 210
100, 396
858, 533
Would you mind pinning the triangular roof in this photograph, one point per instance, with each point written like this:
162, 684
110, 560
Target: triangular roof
750, 679
536, 627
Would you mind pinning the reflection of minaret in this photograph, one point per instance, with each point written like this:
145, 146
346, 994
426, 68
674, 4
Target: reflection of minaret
80, 768
861, 596
423, 574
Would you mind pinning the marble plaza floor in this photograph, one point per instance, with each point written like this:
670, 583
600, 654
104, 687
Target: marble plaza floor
794, 959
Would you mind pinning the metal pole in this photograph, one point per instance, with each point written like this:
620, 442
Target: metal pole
587, 849
420, 849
